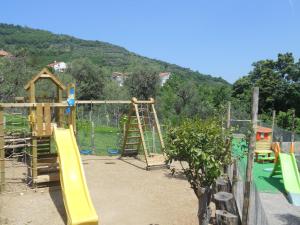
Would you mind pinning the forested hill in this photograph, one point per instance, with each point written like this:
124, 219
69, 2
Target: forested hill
42, 47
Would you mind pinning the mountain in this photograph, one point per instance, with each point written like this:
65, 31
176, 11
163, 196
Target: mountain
42, 47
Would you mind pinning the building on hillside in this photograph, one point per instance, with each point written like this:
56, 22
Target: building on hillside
164, 77
4, 53
58, 66
119, 78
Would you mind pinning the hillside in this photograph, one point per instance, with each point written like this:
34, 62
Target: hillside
42, 47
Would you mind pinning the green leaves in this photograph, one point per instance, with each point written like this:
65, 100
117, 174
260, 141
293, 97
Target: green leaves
201, 144
278, 82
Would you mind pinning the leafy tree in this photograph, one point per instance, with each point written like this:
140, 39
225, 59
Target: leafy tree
14, 74
200, 148
142, 84
285, 121
89, 78
278, 82
113, 91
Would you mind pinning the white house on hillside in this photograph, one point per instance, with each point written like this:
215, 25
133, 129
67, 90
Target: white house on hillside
119, 78
58, 66
164, 77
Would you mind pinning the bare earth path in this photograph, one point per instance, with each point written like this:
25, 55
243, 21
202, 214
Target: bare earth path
123, 193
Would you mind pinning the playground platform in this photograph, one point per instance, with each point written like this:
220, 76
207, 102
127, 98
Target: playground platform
123, 192
269, 201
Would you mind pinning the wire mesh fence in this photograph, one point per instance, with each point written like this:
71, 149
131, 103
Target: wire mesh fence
17, 141
100, 127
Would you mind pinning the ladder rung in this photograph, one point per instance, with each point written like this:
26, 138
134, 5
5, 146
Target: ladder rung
133, 143
130, 150
132, 137
44, 144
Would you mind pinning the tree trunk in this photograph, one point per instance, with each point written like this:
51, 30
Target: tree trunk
204, 212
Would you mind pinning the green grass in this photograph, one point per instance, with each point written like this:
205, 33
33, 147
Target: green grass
261, 177
106, 137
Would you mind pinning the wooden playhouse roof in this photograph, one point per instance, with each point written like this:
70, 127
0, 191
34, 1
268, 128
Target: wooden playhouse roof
264, 129
45, 73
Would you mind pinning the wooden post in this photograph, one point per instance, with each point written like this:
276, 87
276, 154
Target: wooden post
225, 218
157, 126
273, 125
293, 126
248, 182
2, 153
73, 110
59, 111
141, 132
34, 159
93, 136
228, 115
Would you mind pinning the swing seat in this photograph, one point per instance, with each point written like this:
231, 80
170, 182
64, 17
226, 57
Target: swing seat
111, 151
86, 152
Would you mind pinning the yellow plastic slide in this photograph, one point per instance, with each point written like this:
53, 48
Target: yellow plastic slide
77, 201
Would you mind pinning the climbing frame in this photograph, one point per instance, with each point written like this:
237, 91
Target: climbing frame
141, 132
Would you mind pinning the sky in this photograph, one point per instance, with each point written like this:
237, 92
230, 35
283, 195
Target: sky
217, 37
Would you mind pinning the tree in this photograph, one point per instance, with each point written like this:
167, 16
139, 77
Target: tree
142, 84
90, 80
200, 147
14, 74
278, 82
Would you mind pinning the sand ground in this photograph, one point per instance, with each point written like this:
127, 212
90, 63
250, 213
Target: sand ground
122, 191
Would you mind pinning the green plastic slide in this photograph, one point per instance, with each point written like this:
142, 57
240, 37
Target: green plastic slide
287, 166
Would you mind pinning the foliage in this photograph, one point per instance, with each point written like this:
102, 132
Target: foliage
14, 74
285, 121
40, 48
201, 149
180, 98
89, 79
199, 143
142, 84
278, 81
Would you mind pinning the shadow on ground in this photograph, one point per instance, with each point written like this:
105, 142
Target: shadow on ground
57, 198
289, 219
177, 175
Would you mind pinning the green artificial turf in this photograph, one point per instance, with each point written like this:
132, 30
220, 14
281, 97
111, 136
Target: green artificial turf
261, 177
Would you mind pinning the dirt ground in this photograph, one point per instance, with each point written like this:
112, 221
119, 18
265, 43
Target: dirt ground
122, 191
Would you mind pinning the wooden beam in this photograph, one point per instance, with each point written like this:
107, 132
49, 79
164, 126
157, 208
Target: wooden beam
273, 124
34, 160
39, 120
161, 140
47, 117
59, 111
79, 102
141, 132
32, 92
228, 115
31, 105
2, 153
248, 182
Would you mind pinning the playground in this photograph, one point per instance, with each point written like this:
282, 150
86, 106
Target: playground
123, 192
92, 162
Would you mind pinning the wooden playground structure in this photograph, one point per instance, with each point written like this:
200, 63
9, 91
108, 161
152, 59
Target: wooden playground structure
41, 157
